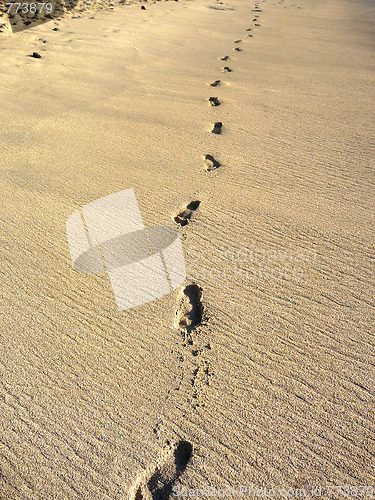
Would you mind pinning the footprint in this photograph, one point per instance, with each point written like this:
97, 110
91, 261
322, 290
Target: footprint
237, 49
225, 58
210, 163
237, 41
201, 377
190, 310
157, 483
256, 24
251, 36
226, 69
215, 83
183, 217
248, 29
213, 101
217, 128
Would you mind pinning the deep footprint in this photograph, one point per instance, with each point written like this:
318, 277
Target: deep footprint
213, 101
190, 310
183, 217
161, 482
226, 69
217, 128
215, 83
210, 163
225, 58
237, 49
159, 485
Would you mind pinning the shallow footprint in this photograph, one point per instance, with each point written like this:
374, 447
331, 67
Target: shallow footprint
183, 217
157, 483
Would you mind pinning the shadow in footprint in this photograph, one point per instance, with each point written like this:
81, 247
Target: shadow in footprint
160, 485
193, 205
138, 495
210, 163
213, 101
215, 83
161, 482
225, 58
190, 310
226, 69
183, 217
217, 128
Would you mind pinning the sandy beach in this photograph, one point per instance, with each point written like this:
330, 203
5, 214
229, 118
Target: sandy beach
258, 372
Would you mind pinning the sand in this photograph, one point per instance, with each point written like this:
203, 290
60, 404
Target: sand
273, 387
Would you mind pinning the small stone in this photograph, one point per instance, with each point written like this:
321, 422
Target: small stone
36, 55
